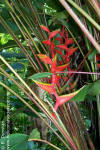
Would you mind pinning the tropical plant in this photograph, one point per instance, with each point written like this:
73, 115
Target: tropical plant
52, 57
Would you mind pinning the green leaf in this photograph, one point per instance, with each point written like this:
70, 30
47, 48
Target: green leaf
91, 89
95, 88
82, 94
40, 75
15, 141
35, 134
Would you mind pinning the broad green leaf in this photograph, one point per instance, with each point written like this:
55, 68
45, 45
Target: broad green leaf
92, 89
15, 141
95, 88
82, 94
35, 134
40, 75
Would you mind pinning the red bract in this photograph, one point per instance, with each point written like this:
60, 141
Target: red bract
45, 58
45, 86
62, 67
45, 28
59, 52
47, 42
60, 100
63, 46
71, 51
52, 34
69, 41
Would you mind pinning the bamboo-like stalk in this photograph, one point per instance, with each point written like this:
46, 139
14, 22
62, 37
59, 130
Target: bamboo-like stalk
80, 24
96, 6
97, 26
30, 22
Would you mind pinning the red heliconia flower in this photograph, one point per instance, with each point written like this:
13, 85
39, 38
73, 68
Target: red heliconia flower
45, 28
58, 66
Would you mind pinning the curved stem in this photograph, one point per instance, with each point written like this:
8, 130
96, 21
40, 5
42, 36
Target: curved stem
44, 141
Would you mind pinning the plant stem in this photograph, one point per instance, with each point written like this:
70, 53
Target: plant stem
44, 141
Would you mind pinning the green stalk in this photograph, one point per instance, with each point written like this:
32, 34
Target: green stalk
97, 26
80, 24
